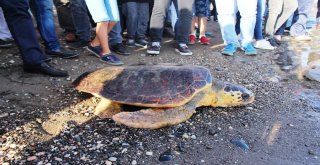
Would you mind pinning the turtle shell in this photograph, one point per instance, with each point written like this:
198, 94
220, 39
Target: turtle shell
146, 85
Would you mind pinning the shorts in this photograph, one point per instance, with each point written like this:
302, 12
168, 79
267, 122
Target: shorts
103, 10
201, 8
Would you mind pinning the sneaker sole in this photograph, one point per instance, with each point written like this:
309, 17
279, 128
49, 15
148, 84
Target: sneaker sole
184, 54
153, 52
143, 46
115, 64
227, 54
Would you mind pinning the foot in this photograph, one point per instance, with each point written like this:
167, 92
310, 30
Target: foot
95, 50
204, 40
229, 49
183, 49
62, 52
46, 69
119, 48
154, 48
111, 59
79, 44
263, 44
249, 49
5, 44
130, 43
192, 39
141, 43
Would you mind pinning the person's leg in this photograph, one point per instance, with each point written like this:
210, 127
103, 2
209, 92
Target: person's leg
318, 15
248, 10
258, 27
184, 20
201, 12
226, 16
130, 10
81, 21
143, 19
300, 26
21, 27
289, 6
4, 30
105, 13
157, 19
275, 9
43, 12
115, 40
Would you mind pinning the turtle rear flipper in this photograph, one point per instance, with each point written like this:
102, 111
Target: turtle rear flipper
153, 118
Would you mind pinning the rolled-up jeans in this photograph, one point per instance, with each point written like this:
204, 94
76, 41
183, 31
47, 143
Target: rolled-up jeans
182, 26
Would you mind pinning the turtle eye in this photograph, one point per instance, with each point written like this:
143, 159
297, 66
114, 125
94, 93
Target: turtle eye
245, 96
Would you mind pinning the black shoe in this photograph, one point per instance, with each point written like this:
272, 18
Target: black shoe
5, 44
154, 48
63, 53
120, 49
46, 69
46, 58
79, 44
130, 43
141, 42
183, 49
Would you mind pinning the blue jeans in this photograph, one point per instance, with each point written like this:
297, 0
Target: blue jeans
182, 26
258, 28
80, 17
21, 27
115, 36
137, 18
43, 12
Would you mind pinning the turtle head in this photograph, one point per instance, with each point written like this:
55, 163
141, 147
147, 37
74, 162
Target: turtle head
228, 95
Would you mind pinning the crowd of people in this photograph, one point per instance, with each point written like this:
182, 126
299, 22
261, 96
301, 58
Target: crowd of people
248, 25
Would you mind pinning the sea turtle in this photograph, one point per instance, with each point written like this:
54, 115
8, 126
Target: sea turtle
166, 94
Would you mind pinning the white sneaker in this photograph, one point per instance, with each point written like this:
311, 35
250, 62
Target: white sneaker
263, 44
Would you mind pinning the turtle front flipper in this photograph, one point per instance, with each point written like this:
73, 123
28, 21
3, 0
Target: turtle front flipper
107, 108
153, 118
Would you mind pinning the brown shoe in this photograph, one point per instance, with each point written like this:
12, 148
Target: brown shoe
70, 37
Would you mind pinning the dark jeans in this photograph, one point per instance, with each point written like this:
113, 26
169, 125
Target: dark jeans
258, 28
183, 25
81, 19
21, 27
43, 12
318, 13
137, 18
115, 36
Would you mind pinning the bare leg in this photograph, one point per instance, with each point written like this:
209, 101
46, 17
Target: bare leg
102, 30
202, 26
